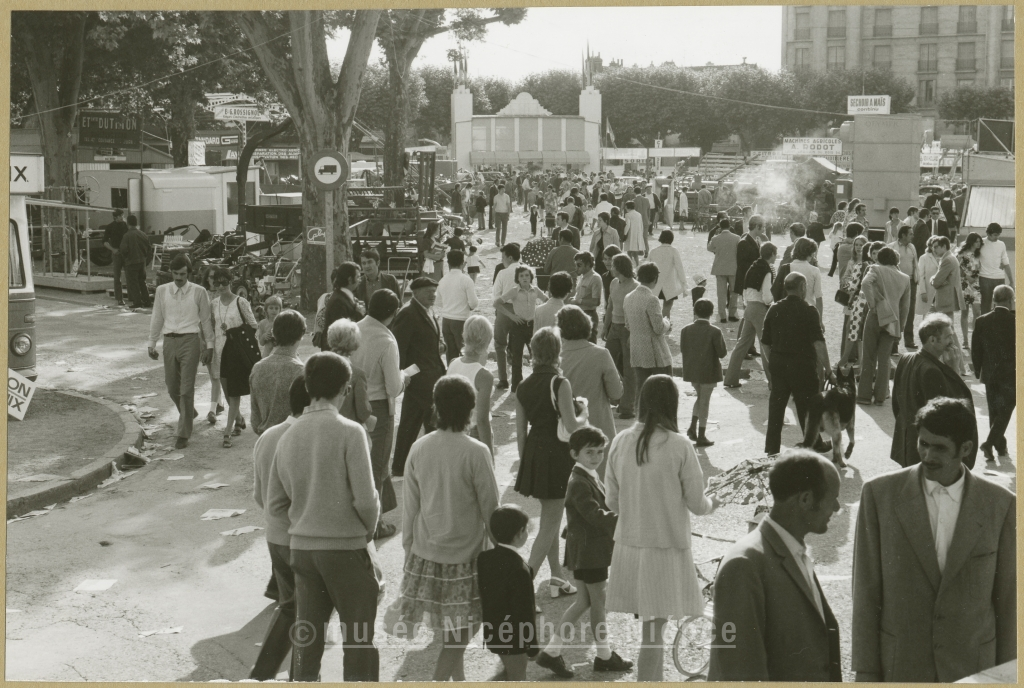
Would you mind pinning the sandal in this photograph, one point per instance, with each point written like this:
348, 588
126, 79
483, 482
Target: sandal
236, 431
220, 409
227, 442
561, 587
211, 418
240, 423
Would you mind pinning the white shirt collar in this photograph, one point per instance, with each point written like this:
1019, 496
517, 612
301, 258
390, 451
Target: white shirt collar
175, 288
792, 544
956, 490
591, 472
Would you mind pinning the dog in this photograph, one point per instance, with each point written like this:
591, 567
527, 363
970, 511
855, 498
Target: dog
832, 412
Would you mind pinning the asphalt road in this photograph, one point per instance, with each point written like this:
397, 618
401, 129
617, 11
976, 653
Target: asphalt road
174, 570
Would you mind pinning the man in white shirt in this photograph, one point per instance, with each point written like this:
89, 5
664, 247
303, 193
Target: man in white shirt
935, 562
504, 318
803, 250
908, 265
757, 297
995, 266
502, 205
604, 206
791, 633
456, 301
181, 310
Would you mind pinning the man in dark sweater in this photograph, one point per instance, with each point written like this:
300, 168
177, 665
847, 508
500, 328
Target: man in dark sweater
112, 236
321, 483
993, 349
135, 250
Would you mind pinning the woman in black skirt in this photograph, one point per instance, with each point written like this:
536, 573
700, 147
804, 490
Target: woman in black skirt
544, 461
229, 312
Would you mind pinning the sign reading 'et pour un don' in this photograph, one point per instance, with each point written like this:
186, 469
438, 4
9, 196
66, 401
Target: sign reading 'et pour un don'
108, 129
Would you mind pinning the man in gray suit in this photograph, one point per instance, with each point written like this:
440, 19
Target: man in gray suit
934, 569
789, 634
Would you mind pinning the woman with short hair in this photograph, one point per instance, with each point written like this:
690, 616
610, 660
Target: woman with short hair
343, 338
544, 461
654, 481
969, 255
450, 493
671, 274
477, 334
230, 312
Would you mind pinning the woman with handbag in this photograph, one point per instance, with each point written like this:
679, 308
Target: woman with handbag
235, 350
546, 414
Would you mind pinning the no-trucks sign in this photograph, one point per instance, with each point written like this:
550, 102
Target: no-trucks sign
19, 394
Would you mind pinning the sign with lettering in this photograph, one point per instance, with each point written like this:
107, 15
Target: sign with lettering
812, 146
624, 154
316, 236
868, 105
196, 153
241, 113
27, 174
19, 394
106, 129
276, 154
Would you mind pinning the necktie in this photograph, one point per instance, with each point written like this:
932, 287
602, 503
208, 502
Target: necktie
944, 525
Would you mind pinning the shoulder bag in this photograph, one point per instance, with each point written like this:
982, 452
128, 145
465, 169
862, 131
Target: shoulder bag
243, 339
579, 407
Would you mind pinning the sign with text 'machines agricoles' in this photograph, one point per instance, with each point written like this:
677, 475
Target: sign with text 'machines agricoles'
108, 129
19, 394
868, 105
812, 146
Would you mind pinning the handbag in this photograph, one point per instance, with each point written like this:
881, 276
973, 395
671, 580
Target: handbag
843, 297
243, 339
579, 405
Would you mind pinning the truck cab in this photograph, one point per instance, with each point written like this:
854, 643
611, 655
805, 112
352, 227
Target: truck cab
26, 179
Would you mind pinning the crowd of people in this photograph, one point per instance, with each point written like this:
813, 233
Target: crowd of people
328, 458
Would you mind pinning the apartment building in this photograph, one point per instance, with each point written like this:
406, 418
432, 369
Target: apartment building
935, 48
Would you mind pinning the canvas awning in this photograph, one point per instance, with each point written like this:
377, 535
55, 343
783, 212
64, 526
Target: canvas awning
830, 166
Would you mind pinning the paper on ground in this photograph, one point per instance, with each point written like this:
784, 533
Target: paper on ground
212, 486
92, 585
241, 531
144, 396
179, 477
147, 409
169, 457
162, 631
217, 514
31, 514
80, 497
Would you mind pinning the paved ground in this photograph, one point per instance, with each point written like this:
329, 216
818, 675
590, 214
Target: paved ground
171, 569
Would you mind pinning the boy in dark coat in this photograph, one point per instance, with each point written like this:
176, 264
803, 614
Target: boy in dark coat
702, 346
588, 553
506, 593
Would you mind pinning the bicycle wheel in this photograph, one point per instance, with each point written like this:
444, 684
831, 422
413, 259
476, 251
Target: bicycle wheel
691, 650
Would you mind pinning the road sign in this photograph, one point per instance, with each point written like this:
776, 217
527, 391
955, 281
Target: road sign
241, 113
105, 129
328, 169
812, 146
868, 105
316, 236
27, 174
19, 394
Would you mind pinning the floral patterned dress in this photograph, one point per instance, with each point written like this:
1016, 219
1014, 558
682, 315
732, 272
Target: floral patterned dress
859, 306
970, 271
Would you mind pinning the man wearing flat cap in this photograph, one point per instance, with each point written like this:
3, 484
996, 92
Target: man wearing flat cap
420, 344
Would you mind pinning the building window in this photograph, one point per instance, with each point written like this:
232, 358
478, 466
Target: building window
964, 83
1006, 61
965, 61
802, 31
1008, 18
837, 23
882, 58
481, 135
929, 60
1006, 82
802, 60
967, 21
929, 21
836, 58
926, 92
883, 22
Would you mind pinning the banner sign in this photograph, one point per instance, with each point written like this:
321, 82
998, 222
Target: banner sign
19, 394
868, 105
812, 146
241, 113
196, 153
630, 154
276, 153
108, 129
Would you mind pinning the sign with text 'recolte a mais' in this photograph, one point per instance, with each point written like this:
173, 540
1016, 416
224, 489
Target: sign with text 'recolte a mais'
868, 105
812, 146
19, 394
108, 129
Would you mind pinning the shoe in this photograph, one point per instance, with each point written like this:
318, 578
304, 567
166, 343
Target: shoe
514, 387
220, 409
560, 587
822, 447
613, 663
625, 416
384, 530
195, 414
864, 402
986, 449
1004, 454
736, 386
733, 318
271, 593
120, 303
240, 423
725, 320
181, 443
880, 402
703, 441
502, 384
236, 431
750, 357
227, 442
692, 434
911, 347
211, 418
555, 664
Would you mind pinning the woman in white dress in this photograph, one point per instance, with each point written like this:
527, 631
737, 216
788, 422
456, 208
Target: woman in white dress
216, 408
636, 237
671, 274
228, 312
477, 334
654, 481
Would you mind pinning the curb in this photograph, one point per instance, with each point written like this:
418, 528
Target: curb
86, 478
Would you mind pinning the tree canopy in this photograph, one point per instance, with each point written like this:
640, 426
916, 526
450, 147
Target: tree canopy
972, 102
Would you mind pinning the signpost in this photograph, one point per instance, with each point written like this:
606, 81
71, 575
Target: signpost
868, 105
19, 394
328, 170
812, 146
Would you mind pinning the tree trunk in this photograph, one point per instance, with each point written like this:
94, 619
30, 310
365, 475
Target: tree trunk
394, 132
182, 125
322, 111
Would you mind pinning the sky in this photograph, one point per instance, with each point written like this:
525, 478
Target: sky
556, 37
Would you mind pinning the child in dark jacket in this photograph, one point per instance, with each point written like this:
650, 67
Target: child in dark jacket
506, 593
588, 553
534, 219
702, 346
